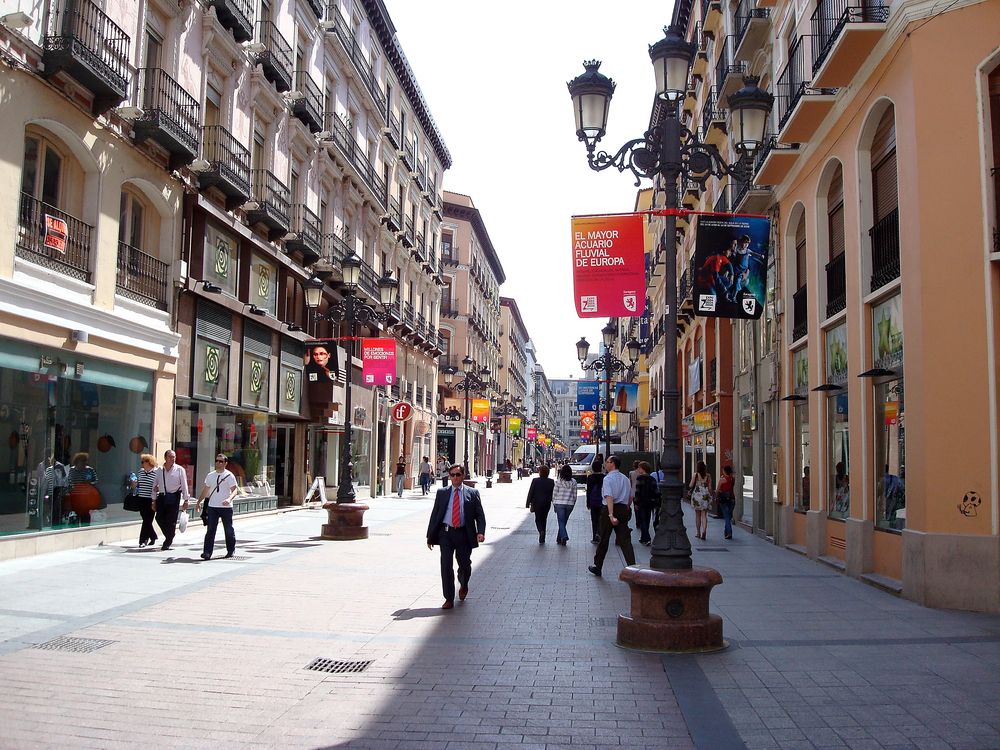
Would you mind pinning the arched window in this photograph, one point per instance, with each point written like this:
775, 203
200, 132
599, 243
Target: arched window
885, 203
994, 92
141, 275
836, 281
800, 305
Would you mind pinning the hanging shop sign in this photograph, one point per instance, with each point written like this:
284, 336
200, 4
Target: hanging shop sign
480, 410
887, 334
730, 266
800, 370
609, 275
588, 394
378, 361
587, 420
706, 419
401, 412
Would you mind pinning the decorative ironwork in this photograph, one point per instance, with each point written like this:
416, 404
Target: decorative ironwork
276, 57
229, 164
800, 313
170, 116
830, 18
338, 132
836, 286
235, 15
795, 80
885, 249
40, 235
308, 230
308, 104
142, 277
271, 196
338, 25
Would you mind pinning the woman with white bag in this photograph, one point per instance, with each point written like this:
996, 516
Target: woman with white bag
701, 498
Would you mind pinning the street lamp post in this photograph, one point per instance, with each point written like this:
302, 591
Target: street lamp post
611, 365
469, 382
669, 151
350, 311
508, 407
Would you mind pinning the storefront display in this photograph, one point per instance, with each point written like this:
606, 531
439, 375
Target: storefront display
890, 427
838, 423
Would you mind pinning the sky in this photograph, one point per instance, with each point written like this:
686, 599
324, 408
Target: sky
494, 77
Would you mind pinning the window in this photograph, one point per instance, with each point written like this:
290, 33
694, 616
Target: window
221, 261
890, 455
130, 220
154, 49
42, 172
801, 437
213, 105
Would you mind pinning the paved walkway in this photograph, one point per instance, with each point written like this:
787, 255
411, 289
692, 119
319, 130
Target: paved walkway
180, 653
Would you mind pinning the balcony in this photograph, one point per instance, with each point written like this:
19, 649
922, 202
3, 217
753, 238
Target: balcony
752, 24
308, 231
275, 59
713, 120
316, 6
338, 132
801, 108
86, 44
228, 167
409, 153
712, 15
306, 101
845, 37
336, 24
395, 221
800, 313
418, 251
775, 161
235, 15
699, 66
729, 70
836, 286
748, 196
394, 130
170, 117
885, 250
54, 239
269, 195
407, 233
141, 277
723, 205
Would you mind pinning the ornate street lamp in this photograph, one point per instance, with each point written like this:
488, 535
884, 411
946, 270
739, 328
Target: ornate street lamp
666, 153
471, 381
611, 365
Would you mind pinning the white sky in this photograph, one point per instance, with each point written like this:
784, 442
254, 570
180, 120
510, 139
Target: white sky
494, 76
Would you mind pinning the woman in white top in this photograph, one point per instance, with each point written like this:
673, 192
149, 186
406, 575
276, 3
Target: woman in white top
701, 498
219, 491
425, 475
563, 500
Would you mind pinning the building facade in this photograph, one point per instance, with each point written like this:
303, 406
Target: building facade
513, 362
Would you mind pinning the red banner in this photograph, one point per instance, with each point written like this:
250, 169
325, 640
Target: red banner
609, 271
378, 361
531, 433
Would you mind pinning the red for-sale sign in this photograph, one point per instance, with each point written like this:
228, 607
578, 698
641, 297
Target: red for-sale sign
609, 270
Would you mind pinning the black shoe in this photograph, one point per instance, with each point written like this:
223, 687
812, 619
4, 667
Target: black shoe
541, 540
595, 570
228, 555
595, 540
205, 557
729, 536
165, 547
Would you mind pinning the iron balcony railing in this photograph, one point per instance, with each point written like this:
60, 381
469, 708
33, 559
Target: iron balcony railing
335, 248
745, 13
235, 15
141, 277
308, 107
410, 153
336, 23
684, 287
419, 249
830, 18
794, 80
53, 238
272, 195
395, 213
408, 314
421, 394
408, 228
85, 42
708, 112
227, 156
836, 286
394, 127
800, 313
342, 138
317, 8
276, 57
307, 225
722, 203
165, 104
885, 249
449, 307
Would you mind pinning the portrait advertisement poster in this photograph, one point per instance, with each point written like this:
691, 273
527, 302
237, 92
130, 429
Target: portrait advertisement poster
514, 425
887, 334
587, 395
453, 410
378, 361
609, 266
836, 355
626, 397
530, 433
730, 266
480, 410
322, 366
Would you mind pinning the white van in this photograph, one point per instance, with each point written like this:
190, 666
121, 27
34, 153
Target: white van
583, 458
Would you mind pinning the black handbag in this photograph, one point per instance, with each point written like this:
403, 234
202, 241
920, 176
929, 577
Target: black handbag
132, 502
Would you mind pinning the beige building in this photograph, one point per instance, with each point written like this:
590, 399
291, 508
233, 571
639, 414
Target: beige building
513, 379
880, 179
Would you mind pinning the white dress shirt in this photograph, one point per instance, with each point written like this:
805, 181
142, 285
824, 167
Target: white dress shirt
172, 480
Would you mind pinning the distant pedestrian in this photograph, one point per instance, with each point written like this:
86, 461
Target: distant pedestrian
647, 497
595, 500
400, 474
142, 488
170, 489
563, 500
457, 525
727, 499
701, 498
219, 491
617, 492
540, 499
658, 479
425, 475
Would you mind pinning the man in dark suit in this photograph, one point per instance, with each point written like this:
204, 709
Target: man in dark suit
457, 525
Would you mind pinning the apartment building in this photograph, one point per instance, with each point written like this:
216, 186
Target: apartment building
513, 363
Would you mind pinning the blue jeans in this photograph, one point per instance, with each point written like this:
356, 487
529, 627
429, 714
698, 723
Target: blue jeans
727, 504
562, 516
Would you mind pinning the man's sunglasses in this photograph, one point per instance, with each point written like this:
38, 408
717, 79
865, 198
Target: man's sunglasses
456, 474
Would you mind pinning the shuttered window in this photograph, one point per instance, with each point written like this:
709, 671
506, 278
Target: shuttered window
885, 194
835, 214
800, 254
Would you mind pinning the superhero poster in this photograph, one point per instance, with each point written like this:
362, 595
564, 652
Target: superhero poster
729, 270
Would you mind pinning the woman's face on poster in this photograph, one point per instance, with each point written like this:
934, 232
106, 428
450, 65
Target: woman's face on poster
321, 356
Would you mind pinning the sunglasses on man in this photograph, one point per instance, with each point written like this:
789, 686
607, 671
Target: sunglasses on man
456, 474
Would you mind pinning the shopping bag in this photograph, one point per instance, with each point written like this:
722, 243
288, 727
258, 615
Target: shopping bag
182, 521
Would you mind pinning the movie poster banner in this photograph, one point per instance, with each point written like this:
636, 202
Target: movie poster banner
587, 395
452, 410
626, 397
480, 410
730, 266
609, 273
378, 361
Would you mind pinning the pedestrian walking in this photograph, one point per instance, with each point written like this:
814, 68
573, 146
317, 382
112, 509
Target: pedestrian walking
540, 500
442, 470
457, 526
219, 491
595, 500
400, 474
564, 500
727, 499
169, 490
657, 480
701, 498
617, 492
142, 488
425, 475
647, 497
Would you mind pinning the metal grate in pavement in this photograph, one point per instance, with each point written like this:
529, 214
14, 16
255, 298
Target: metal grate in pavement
237, 557
604, 622
338, 667
76, 645
379, 533
501, 528
712, 549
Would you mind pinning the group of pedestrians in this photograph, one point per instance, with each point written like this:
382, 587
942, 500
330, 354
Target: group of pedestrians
161, 494
545, 493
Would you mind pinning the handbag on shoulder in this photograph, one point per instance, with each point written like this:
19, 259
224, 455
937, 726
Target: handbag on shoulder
132, 502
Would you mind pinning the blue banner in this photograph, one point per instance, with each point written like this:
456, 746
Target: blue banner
587, 395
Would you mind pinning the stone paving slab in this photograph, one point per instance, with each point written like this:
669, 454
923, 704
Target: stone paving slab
214, 654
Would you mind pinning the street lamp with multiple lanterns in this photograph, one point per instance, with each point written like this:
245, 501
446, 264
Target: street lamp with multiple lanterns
471, 381
667, 152
508, 407
610, 365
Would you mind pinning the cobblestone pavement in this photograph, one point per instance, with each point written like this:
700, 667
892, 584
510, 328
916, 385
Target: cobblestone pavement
121, 647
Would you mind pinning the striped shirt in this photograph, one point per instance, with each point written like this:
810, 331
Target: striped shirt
146, 481
564, 492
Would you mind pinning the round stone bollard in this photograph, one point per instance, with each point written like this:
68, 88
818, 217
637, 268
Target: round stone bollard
346, 521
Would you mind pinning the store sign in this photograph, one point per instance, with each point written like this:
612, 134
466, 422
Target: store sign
609, 274
730, 266
56, 233
401, 412
378, 361
890, 413
587, 395
321, 369
480, 410
836, 355
887, 334
800, 370
706, 419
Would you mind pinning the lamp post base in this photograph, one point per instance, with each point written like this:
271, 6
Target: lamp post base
670, 611
346, 522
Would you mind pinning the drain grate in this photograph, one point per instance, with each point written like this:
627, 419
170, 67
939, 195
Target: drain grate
712, 549
76, 645
239, 557
379, 533
501, 528
338, 667
604, 622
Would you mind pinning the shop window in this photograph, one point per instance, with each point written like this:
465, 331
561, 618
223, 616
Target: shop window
890, 452
838, 458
